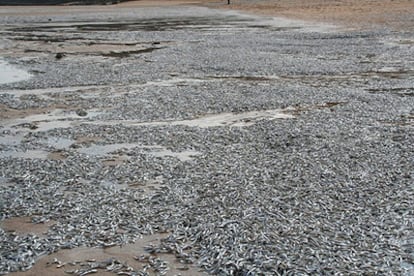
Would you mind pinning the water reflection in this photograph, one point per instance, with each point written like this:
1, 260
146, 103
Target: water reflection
9, 73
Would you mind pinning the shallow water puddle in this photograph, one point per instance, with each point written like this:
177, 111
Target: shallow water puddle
58, 118
408, 268
59, 142
173, 82
11, 139
234, 119
29, 154
56, 90
157, 151
45, 126
229, 119
101, 150
10, 74
59, 114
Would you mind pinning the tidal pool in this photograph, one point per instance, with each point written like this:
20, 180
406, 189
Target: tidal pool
9, 73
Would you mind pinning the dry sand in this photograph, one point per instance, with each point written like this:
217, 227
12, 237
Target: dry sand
353, 13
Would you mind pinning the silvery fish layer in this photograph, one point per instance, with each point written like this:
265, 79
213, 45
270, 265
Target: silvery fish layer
258, 147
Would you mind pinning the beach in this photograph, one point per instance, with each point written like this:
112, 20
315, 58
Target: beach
200, 138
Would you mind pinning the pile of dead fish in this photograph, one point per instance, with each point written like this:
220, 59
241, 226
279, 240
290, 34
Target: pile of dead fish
326, 191
152, 265
231, 211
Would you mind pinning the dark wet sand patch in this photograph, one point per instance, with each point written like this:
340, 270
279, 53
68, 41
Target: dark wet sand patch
123, 54
57, 155
13, 113
109, 260
24, 226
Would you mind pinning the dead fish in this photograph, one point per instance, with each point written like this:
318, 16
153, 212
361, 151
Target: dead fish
88, 272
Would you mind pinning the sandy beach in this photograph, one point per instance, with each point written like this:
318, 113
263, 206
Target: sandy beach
199, 138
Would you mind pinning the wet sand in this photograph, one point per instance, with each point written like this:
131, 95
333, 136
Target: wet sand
24, 226
68, 261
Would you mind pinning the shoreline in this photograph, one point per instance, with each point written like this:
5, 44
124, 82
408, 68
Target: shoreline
349, 13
